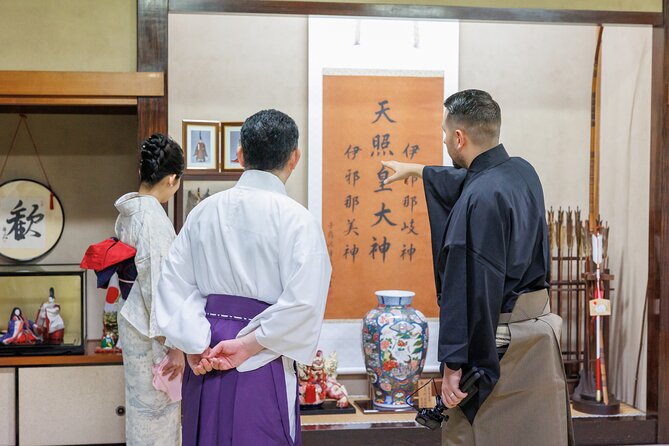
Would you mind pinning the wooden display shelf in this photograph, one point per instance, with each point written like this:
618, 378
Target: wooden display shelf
89, 358
631, 426
78, 88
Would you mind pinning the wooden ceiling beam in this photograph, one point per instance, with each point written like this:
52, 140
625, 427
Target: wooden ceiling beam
75, 84
415, 11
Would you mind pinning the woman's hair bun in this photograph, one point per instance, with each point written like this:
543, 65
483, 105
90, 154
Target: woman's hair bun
160, 156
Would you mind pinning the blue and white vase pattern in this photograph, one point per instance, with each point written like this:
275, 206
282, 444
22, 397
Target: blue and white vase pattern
394, 342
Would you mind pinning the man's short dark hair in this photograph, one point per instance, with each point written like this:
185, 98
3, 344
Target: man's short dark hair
268, 138
477, 112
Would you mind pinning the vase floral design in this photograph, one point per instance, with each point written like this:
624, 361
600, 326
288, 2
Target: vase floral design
394, 342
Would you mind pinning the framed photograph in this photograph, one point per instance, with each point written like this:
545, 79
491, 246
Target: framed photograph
231, 141
200, 144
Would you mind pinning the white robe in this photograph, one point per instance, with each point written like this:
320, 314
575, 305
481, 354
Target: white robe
251, 241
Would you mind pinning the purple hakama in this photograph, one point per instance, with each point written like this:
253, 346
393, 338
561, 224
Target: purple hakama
224, 408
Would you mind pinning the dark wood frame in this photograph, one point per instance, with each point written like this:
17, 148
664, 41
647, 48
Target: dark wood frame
413, 11
152, 113
657, 293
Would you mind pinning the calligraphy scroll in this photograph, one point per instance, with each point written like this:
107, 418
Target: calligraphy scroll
31, 220
378, 235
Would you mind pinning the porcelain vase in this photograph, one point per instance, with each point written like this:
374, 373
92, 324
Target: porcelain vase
394, 342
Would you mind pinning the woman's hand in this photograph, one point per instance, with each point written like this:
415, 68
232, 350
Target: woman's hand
175, 363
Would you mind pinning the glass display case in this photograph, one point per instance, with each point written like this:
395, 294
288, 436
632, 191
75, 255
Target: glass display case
42, 309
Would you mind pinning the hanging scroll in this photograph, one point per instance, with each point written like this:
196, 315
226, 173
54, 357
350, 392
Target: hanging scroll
31, 215
31, 220
378, 235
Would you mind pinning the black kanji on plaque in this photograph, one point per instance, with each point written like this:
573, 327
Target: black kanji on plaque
352, 177
352, 151
351, 251
382, 248
382, 112
351, 202
409, 228
411, 150
381, 145
352, 228
382, 216
410, 201
383, 175
410, 181
408, 252
19, 220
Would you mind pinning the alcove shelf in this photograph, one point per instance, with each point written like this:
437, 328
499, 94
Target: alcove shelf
88, 358
78, 88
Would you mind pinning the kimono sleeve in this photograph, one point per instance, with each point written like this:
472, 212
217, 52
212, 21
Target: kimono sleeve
153, 247
443, 186
178, 302
474, 276
291, 327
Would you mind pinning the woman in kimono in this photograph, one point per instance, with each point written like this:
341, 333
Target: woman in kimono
152, 417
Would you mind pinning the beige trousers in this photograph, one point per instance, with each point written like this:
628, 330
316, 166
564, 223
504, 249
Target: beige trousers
529, 405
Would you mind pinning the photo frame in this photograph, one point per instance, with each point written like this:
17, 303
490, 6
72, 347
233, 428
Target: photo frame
200, 142
194, 192
231, 132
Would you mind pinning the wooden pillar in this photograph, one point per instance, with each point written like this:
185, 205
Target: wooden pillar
658, 247
152, 56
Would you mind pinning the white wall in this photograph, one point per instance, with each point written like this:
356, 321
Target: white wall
235, 65
624, 202
542, 79
227, 67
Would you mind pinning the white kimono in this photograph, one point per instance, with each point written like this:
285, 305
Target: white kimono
251, 241
151, 417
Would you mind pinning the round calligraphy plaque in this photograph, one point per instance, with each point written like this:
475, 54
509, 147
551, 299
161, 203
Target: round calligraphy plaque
31, 220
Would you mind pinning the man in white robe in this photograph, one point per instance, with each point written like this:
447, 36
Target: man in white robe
243, 293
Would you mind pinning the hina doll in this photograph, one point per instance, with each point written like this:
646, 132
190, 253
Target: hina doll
19, 330
49, 323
